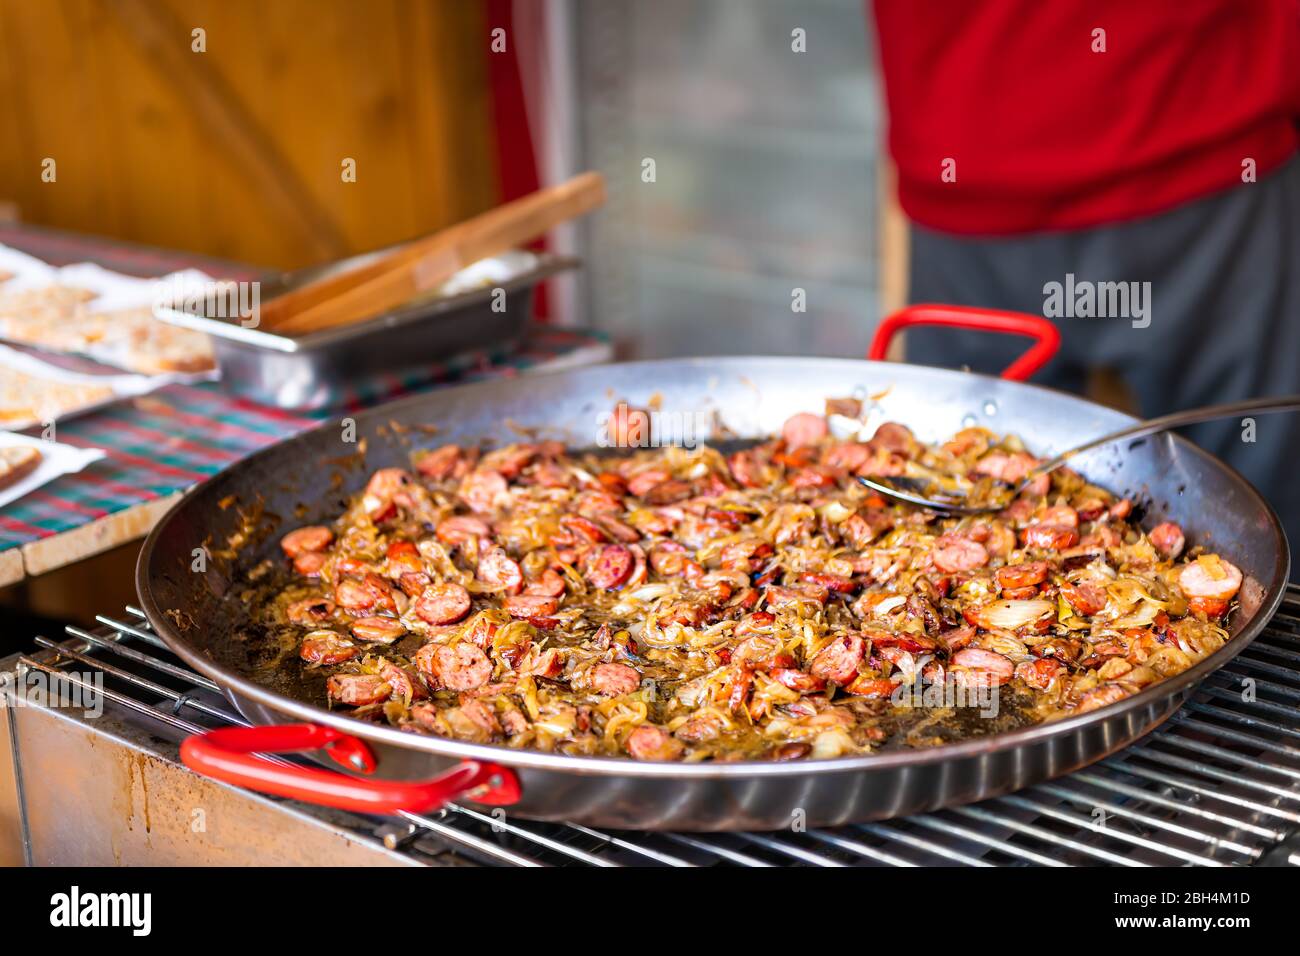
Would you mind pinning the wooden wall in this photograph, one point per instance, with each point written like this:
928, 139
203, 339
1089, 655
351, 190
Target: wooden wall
237, 151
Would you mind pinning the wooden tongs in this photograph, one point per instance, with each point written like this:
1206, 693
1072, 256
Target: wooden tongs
421, 265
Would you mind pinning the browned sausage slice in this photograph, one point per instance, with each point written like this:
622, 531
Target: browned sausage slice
438, 463
1026, 575
648, 742
609, 567
309, 610
530, 605
461, 529
953, 553
838, 660
357, 690
326, 647
483, 489
1085, 597
804, 428
443, 603
368, 594
981, 667
311, 538
377, 630
614, 680
1050, 537
499, 571
1197, 581
1168, 539
463, 667
549, 584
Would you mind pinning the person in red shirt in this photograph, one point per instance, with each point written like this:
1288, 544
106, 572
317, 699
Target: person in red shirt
1051, 155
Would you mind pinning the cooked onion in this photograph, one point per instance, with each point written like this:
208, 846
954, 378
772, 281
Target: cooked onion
1013, 614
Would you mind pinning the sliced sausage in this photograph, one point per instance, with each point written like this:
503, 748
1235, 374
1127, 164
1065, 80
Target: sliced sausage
1168, 539
744, 467
1198, 583
608, 567
1022, 575
326, 647
1039, 674
312, 538
641, 483
865, 686
370, 593
463, 667
481, 716
528, 606
831, 582
1062, 515
403, 558
648, 742
444, 603
310, 564
357, 690
500, 572
549, 584
802, 429
549, 664
1085, 597
438, 463
404, 687
509, 461
461, 529
982, 667
377, 630
796, 679
387, 488
309, 610
806, 593
584, 528
1049, 537
1101, 696
953, 553
483, 489
894, 437
614, 680
838, 661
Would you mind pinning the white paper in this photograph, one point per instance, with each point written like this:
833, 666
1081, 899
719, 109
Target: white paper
124, 385
56, 460
28, 272
498, 270
115, 292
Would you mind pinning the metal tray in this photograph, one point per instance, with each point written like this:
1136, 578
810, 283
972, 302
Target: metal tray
327, 368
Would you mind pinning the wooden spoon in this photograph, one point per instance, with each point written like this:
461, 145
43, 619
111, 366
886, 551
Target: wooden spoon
421, 265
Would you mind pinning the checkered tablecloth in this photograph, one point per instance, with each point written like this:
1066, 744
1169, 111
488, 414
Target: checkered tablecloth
174, 438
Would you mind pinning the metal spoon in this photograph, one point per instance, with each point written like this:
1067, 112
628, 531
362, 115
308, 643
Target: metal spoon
1151, 426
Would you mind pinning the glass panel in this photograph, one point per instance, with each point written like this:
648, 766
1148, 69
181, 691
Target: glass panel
765, 174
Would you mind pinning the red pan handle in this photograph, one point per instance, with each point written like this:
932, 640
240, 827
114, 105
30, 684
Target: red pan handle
1047, 337
229, 755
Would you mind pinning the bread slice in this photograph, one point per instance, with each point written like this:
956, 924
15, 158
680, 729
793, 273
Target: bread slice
27, 399
16, 463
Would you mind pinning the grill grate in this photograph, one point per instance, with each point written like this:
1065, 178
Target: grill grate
1217, 785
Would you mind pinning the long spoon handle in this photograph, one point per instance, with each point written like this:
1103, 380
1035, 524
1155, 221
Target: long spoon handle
1280, 403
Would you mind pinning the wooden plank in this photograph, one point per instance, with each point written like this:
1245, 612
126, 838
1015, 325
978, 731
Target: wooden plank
401, 87
160, 39
11, 566
93, 538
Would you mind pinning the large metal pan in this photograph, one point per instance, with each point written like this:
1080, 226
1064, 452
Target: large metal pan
304, 480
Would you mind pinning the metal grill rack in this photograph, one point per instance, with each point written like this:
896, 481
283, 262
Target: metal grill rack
1217, 785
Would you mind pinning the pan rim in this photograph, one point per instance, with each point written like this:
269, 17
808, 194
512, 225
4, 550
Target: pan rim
739, 770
